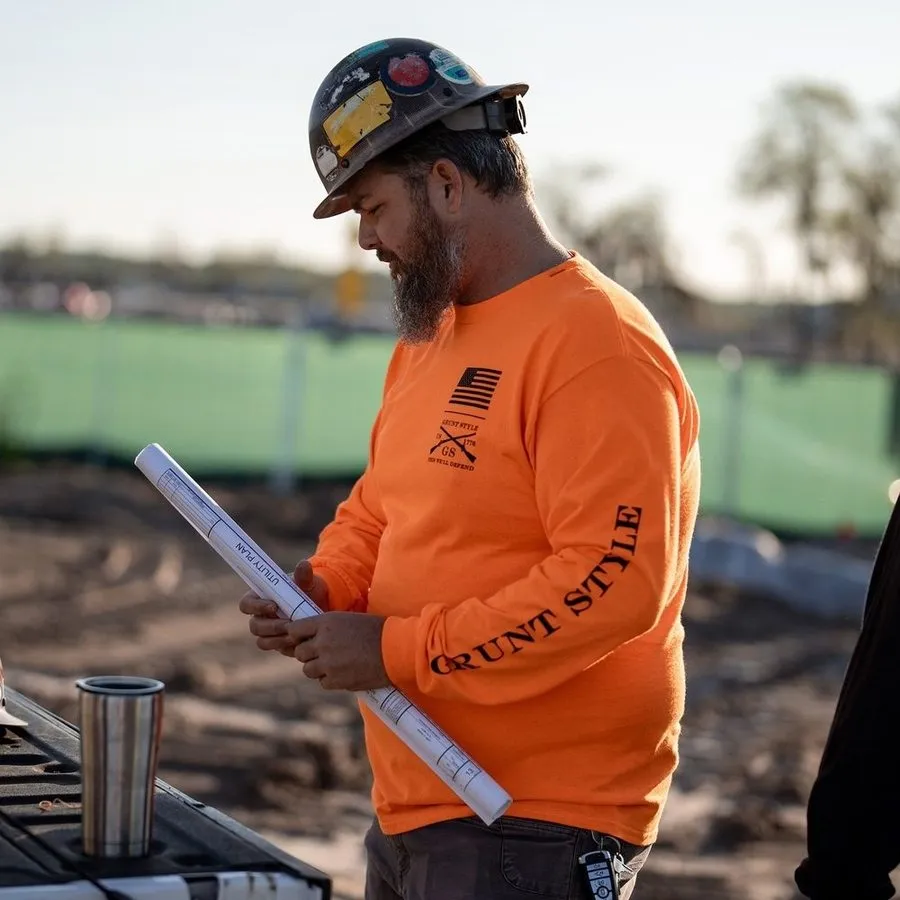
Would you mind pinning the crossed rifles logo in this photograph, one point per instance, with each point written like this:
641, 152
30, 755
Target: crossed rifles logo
457, 440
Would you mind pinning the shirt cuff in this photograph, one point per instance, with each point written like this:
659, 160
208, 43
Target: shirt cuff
398, 649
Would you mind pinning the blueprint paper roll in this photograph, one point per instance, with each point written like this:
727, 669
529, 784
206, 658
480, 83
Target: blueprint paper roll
263, 576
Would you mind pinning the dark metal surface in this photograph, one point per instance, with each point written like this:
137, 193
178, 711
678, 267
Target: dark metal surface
40, 818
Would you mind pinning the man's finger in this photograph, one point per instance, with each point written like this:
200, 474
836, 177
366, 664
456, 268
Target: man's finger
303, 575
301, 629
282, 644
313, 669
305, 651
253, 605
263, 626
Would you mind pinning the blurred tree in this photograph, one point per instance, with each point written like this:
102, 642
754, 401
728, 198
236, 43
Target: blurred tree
869, 229
54, 244
628, 241
800, 154
565, 203
751, 247
892, 114
166, 264
17, 261
869, 223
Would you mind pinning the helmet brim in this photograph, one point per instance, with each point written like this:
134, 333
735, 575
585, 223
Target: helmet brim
337, 201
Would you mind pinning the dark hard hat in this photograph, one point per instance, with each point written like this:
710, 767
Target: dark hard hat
386, 91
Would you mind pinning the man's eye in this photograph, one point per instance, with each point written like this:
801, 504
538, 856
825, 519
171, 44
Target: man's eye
375, 209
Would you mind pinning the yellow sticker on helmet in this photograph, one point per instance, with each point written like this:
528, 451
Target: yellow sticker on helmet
357, 117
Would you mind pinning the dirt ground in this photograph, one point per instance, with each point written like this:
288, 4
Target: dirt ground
99, 575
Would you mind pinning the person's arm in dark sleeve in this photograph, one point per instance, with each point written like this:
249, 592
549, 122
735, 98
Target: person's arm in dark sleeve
853, 813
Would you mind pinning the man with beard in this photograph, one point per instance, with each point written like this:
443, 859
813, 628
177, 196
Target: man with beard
514, 557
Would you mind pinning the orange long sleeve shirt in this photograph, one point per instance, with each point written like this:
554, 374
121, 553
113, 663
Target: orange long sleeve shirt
524, 523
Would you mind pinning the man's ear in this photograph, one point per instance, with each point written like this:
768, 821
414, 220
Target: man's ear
446, 187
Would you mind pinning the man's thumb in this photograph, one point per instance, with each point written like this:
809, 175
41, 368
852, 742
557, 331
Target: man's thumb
303, 575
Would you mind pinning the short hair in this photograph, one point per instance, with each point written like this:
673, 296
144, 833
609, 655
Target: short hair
494, 161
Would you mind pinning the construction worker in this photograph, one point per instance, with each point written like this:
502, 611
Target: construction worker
515, 556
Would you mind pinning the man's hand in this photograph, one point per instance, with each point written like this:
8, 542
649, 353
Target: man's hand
342, 650
258, 609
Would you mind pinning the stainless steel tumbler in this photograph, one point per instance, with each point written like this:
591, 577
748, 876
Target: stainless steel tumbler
121, 728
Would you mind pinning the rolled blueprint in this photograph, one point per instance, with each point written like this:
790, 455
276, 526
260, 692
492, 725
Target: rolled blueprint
442, 755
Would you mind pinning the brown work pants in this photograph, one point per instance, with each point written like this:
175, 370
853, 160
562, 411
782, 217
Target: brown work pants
464, 859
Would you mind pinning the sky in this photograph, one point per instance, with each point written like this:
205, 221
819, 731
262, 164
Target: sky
149, 123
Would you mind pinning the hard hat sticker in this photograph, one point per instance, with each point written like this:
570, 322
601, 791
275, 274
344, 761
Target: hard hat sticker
409, 74
363, 52
358, 74
450, 67
358, 117
326, 161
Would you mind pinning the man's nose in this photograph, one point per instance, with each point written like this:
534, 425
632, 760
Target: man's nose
367, 237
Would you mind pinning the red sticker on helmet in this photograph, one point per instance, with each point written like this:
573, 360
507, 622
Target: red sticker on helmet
408, 74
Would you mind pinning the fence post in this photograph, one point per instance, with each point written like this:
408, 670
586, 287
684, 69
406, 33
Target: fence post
103, 389
732, 362
893, 430
285, 467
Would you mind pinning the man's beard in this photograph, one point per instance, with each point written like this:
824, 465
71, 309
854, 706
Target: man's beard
428, 280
